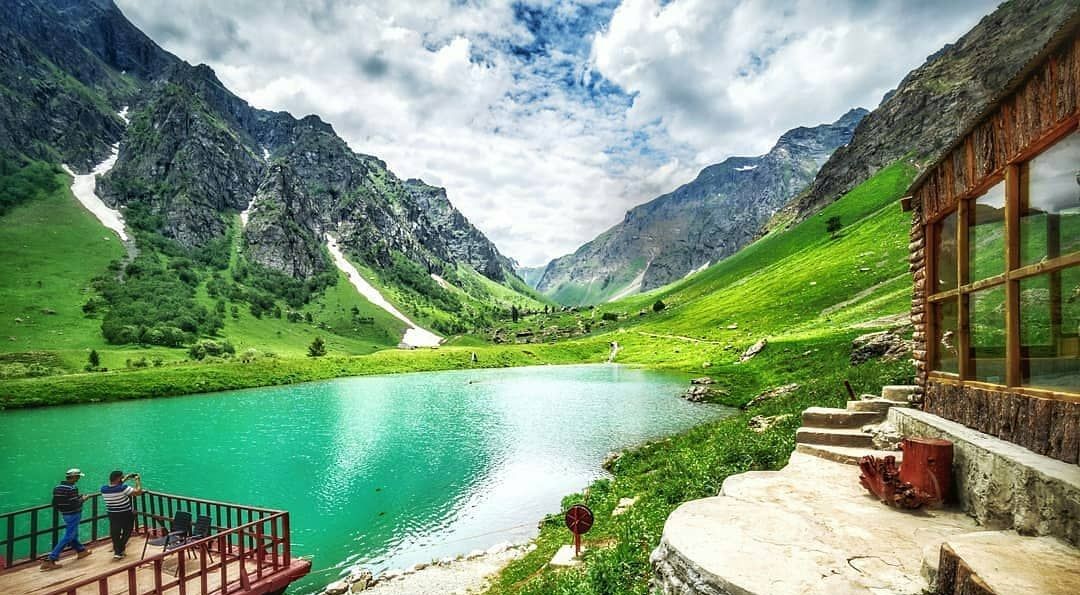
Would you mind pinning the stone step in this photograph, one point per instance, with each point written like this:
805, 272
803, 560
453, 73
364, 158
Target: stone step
829, 417
898, 392
1004, 563
876, 404
834, 437
847, 455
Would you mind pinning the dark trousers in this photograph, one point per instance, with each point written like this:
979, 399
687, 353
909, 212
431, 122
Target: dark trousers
120, 526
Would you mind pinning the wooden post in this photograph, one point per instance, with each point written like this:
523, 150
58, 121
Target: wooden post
928, 467
963, 334
1012, 287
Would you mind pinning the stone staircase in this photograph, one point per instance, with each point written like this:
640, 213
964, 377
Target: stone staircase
842, 435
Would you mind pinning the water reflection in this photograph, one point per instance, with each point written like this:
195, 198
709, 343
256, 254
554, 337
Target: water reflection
381, 471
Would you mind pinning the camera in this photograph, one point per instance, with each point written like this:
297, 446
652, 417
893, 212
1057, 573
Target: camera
131, 476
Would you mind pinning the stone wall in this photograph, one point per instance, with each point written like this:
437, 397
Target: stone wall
1004, 486
1049, 427
673, 574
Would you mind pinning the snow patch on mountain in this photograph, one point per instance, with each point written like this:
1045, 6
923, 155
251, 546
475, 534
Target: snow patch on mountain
414, 335
84, 187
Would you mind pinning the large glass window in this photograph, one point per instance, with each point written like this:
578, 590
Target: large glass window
1046, 301
945, 252
1050, 330
1050, 203
945, 324
986, 234
986, 310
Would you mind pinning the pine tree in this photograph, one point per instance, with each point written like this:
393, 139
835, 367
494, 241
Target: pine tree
833, 226
514, 314
94, 359
317, 348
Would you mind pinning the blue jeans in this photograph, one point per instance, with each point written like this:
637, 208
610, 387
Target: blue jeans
71, 536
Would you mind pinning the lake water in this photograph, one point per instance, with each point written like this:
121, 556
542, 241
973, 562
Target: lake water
381, 471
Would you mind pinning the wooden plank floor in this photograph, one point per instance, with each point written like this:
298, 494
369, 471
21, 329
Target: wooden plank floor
29, 580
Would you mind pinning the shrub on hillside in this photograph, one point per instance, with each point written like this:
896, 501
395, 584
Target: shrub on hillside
22, 180
210, 348
155, 304
317, 348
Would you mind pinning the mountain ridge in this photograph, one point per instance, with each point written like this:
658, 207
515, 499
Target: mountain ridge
698, 223
934, 101
195, 156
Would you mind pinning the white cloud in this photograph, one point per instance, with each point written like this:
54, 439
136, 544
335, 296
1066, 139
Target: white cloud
729, 77
538, 164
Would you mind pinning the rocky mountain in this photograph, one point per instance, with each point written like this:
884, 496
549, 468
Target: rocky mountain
531, 275
194, 155
934, 101
699, 223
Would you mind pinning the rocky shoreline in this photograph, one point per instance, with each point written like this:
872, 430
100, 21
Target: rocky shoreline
467, 573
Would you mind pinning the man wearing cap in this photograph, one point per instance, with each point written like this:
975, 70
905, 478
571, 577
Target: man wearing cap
117, 496
68, 502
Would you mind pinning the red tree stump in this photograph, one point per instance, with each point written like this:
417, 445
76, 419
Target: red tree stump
927, 467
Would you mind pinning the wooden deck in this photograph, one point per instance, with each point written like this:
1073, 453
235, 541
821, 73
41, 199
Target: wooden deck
248, 551
30, 580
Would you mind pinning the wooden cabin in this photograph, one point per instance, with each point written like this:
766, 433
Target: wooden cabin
248, 552
995, 254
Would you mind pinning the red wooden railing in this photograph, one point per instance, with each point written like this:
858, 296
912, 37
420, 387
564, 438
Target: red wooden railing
27, 534
248, 546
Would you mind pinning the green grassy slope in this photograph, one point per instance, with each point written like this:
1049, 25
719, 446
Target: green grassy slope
810, 295
50, 249
342, 317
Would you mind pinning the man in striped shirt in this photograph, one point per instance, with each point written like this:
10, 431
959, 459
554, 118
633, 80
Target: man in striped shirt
117, 496
67, 501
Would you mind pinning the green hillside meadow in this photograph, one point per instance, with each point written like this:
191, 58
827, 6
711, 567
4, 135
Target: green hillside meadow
806, 291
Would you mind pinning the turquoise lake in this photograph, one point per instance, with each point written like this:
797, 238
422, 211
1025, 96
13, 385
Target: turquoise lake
379, 471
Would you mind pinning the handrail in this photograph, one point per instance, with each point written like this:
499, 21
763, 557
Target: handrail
257, 553
24, 528
10, 536
213, 502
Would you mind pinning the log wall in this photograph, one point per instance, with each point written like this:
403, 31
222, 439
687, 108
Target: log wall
1046, 101
1049, 427
1041, 109
919, 314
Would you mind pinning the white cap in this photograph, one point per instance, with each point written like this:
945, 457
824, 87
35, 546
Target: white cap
73, 472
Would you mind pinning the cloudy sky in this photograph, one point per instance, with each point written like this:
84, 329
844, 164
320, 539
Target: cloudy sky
547, 119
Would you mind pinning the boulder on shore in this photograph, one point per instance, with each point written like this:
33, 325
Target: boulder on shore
772, 393
887, 345
753, 350
761, 423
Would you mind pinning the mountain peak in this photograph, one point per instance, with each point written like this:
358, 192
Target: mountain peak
698, 223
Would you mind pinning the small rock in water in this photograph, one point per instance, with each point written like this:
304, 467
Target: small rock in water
474, 554
360, 577
337, 588
697, 393
610, 460
498, 548
702, 380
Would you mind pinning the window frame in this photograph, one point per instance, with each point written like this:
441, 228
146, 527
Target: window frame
1010, 174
